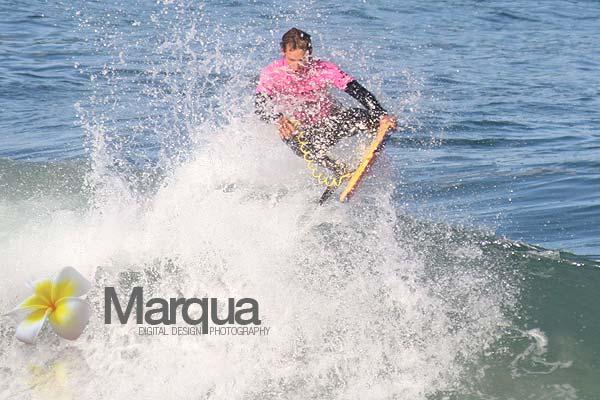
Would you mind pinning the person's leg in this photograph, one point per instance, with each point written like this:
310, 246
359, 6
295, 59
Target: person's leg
319, 139
349, 122
316, 143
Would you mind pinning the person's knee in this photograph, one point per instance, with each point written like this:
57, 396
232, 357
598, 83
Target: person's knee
293, 144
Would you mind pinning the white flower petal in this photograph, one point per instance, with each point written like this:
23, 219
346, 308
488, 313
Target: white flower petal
29, 328
38, 300
70, 317
19, 314
69, 283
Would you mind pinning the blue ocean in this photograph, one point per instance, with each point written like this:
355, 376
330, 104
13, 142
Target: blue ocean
465, 267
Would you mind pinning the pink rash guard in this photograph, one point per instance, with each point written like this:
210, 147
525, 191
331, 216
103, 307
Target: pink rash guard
303, 95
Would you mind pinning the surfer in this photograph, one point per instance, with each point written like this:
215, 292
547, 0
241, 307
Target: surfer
293, 92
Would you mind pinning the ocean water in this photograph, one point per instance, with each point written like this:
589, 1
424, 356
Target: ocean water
466, 268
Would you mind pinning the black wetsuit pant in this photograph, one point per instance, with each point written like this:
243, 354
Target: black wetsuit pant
322, 136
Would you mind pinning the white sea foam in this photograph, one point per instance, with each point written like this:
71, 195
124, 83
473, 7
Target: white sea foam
350, 307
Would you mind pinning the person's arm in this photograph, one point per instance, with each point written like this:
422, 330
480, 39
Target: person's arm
365, 98
264, 109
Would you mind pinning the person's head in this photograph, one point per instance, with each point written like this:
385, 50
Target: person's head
296, 47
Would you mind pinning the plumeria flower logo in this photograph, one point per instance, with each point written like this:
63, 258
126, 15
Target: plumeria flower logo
58, 301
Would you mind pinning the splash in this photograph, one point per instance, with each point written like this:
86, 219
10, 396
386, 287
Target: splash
190, 196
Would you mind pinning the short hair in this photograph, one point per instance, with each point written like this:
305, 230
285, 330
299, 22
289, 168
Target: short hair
296, 39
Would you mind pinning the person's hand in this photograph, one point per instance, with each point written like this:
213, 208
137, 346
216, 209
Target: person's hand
286, 128
390, 121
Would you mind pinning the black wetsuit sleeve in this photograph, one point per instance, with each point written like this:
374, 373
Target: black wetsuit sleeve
264, 109
365, 98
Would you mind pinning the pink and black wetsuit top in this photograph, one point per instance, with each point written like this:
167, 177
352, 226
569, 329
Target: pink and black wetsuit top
304, 95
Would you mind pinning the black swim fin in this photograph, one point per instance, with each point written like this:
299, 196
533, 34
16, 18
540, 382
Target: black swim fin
326, 195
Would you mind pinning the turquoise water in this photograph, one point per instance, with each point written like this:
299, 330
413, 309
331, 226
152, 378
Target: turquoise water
464, 269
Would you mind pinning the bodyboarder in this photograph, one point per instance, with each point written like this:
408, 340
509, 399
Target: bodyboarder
293, 92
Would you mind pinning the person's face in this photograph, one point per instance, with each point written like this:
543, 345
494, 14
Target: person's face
295, 59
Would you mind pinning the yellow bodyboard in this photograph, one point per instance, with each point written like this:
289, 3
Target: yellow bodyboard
367, 159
